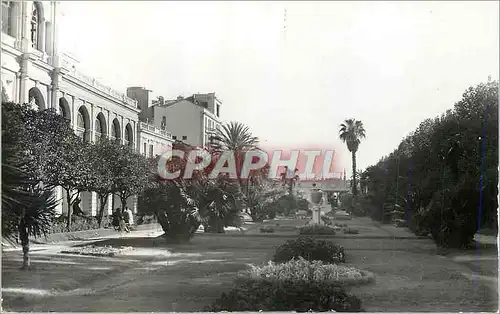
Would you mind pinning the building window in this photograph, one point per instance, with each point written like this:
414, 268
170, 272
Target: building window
184, 137
151, 149
80, 120
145, 149
7, 15
174, 137
218, 110
164, 123
35, 23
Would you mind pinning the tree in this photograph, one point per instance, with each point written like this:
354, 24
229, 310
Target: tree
445, 173
130, 172
104, 153
235, 137
27, 209
351, 132
174, 208
72, 169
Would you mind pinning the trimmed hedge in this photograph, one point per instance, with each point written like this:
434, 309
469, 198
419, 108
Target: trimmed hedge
300, 296
316, 229
310, 249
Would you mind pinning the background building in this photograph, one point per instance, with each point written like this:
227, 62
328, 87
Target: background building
34, 70
191, 120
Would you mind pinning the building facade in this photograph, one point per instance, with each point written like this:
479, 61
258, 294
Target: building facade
35, 71
194, 119
191, 120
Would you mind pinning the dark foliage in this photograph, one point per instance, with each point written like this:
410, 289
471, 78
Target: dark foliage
310, 249
303, 296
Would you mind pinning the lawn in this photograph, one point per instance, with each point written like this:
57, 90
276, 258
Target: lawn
409, 276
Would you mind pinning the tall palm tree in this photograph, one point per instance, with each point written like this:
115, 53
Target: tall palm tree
234, 137
351, 132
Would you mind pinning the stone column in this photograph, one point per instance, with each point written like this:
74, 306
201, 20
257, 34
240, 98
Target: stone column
123, 127
23, 83
56, 73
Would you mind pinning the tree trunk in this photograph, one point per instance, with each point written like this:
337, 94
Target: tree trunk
70, 209
103, 202
123, 200
162, 220
25, 243
354, 185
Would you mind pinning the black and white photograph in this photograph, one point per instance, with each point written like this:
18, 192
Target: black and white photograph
250, 156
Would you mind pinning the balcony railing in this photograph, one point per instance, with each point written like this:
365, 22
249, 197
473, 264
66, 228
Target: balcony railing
68, 63
152, 128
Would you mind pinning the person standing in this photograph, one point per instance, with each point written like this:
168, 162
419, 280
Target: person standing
130, 216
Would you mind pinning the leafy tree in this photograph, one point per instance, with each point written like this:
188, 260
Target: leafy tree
130, 172
104, 153
444, 174
72, 170
352, 132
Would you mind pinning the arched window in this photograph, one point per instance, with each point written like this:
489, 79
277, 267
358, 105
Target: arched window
35, 23
81, 120
7, 17
98, 126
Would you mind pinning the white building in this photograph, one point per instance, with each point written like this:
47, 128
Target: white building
193, 119
35, 70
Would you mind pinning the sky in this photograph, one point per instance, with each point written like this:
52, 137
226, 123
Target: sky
294, 77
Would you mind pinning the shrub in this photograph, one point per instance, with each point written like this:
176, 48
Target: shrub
78, 223
317, 229
303, 296
267, 229
310, 249
351, 231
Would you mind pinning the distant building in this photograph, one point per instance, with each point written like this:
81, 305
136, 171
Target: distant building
153, 138
191, 120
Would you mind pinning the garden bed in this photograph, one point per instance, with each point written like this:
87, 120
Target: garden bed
300, 270
103, 251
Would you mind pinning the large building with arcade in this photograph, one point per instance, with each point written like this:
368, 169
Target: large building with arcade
35, 70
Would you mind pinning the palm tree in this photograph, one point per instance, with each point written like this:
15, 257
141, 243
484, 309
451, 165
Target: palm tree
351, 132
234, 137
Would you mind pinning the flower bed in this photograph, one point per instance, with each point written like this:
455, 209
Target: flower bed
298, 270
93, 250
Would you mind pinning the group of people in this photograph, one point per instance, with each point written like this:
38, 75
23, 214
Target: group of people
122, 220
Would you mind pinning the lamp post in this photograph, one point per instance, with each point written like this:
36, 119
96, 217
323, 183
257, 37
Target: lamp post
316, 200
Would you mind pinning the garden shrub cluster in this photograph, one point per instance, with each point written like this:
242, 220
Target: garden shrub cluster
300, 296
316, 229
304, 275
310, 249
78, 223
